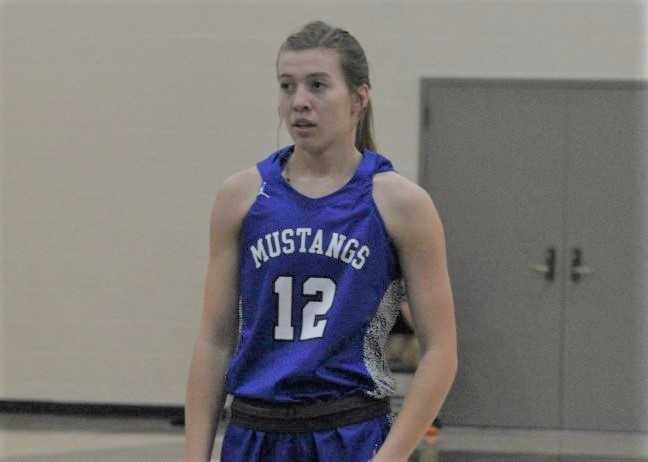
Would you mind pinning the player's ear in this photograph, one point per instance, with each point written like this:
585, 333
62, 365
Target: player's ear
360, 98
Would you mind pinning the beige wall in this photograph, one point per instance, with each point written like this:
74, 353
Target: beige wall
3, 152
120, 119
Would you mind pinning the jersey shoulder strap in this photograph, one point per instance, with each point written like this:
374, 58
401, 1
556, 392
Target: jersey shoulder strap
270, 167
375, 163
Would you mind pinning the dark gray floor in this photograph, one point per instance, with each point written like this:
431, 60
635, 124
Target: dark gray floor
476, 457
171, 452
167, 451
98, 424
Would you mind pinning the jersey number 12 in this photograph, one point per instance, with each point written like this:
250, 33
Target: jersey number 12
311, 328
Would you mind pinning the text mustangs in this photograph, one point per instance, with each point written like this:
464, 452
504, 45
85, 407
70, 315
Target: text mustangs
304, 240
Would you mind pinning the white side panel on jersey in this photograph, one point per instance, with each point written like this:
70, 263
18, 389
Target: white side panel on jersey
376, 338
240, 322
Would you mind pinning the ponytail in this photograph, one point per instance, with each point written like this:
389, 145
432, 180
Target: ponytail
364, 131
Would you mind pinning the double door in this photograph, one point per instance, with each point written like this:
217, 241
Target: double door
543, 191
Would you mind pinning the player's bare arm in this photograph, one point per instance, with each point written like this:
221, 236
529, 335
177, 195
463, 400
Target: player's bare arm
217, 335
414, 224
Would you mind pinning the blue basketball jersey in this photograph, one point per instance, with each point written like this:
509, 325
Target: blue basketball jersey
319, 291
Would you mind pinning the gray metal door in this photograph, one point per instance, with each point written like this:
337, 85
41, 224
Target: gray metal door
606, 312
516, 169
493, 162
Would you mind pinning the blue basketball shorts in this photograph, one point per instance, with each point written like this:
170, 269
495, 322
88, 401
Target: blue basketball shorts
351, 443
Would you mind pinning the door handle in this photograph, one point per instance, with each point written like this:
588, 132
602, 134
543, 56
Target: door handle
549, 267
578, 270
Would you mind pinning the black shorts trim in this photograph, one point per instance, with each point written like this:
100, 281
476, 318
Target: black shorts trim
303, 418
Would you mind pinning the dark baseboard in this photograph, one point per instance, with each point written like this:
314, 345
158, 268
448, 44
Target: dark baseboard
174, 413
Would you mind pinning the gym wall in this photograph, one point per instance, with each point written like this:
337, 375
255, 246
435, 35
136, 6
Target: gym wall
121, 119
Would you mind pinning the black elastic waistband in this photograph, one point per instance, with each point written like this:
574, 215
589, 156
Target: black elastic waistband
300, 418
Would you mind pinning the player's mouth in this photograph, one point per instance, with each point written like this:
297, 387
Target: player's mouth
303, 125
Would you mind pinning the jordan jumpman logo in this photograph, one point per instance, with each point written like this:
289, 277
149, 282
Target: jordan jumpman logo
262, 190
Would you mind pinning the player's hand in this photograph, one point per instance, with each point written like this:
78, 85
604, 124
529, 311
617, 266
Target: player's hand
379, 458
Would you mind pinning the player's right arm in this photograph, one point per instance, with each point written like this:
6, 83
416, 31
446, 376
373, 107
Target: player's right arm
218, 329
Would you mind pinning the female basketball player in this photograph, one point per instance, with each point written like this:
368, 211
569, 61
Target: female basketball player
306, 253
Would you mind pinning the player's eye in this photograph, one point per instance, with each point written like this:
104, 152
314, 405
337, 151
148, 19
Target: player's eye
285, 86
318, 84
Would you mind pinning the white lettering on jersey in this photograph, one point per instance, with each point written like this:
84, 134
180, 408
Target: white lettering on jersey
316, 246
288, 241
284, 242
273, 251
335, 246
303, 232
259, 253
349, 253
361, 257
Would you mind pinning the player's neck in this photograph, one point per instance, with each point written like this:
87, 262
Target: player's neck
335, 161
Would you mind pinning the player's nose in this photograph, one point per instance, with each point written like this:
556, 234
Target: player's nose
301, 99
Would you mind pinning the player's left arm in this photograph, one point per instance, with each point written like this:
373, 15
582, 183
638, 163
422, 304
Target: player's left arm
414, 224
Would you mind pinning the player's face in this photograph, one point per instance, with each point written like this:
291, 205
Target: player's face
314, 100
